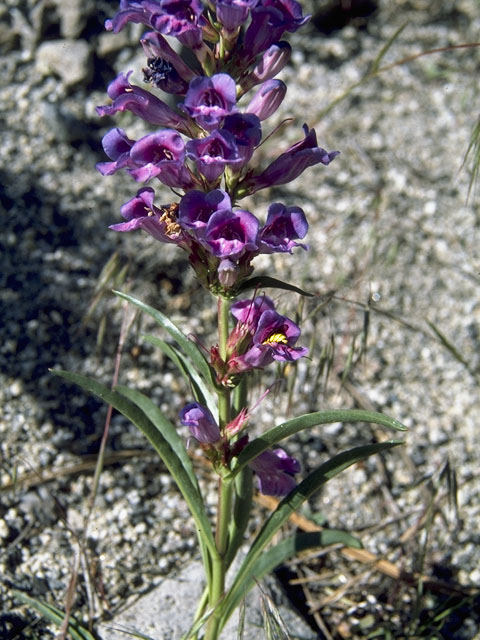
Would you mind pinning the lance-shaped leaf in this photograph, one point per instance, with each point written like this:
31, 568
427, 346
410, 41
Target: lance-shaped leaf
291, 503
164, 426
201, 392
161, 445
57, 616
188, 346
280, 432
287, 549
241, 513
266, 281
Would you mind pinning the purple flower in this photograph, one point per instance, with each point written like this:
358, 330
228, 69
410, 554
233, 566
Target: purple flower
142, 103
272, 62
213, 153
158, 51
265, 28
283, 226
248, 312
267, 99
290, 164
133, 11
201, 423
117, 146
164, 76
197, 207
182, 20
141, 213
247, 132
233, 13
291, 12
161, 154
275, 470
210, 100
230, 234
273, 340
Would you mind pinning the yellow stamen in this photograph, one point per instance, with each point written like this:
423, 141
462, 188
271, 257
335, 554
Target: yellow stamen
278, 338
169, 218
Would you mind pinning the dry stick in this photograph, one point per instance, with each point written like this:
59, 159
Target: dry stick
38, 478
127, 320
367, 557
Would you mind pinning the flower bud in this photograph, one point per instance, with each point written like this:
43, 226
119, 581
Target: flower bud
201, 423
267, 99
272, 62
227, 273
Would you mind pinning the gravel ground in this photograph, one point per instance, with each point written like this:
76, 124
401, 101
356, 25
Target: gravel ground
394, 245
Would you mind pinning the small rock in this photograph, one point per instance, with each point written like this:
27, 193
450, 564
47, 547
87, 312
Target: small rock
69, 59
73, 16
16, 389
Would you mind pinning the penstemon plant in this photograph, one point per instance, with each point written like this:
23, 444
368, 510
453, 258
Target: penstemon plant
204, 150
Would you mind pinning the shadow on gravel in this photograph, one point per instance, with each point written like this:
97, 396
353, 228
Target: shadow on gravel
40, 312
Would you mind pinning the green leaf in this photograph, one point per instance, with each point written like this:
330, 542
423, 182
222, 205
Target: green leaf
128, 632
266, 281
164, 426
200, 390
56, 616
291, 503
161, 445
241, 513
286, 429
187, 345
288, 548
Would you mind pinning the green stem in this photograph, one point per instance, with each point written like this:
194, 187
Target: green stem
225, 487
223, 328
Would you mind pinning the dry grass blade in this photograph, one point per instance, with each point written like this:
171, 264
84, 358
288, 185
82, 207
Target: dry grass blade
274, 626
37, 478
363, 556
453, 350
128, 319
473, 151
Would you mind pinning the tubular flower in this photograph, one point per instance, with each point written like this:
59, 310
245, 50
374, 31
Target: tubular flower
182, 20
270, 64
284, 225
159, 222
210, 100
117, 146
291, 11
265, 28
247, 312
162, 155
275, 469
130, 97
231, 234
273, 339
196, 208
213, 153
201, 423
133, 11
247, 132
233, 13
157, 49
290, 164
267, 99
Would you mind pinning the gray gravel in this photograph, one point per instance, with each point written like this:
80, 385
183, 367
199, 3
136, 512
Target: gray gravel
392, 233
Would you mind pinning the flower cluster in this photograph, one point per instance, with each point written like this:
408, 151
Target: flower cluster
274, 468
260, 337
204, 150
